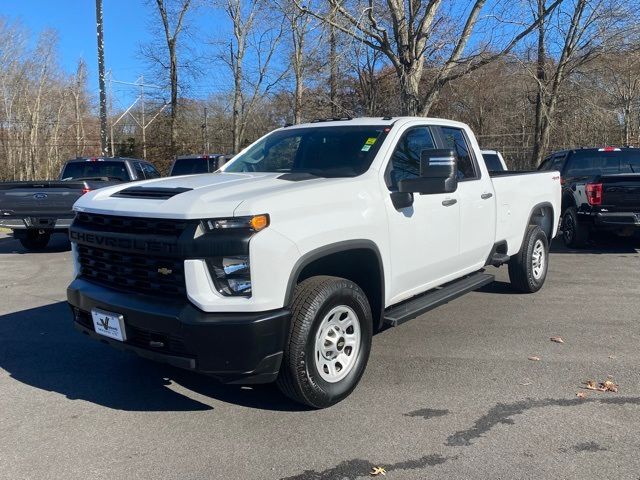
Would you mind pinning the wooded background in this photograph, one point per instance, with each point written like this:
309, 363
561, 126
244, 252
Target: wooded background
528, 76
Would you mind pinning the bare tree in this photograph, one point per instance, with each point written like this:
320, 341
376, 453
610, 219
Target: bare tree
300, 27
406, 32
618, 77
78, 93
172, 13
250, 87
586, 29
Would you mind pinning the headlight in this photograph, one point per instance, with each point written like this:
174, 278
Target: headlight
255, 223
232, 275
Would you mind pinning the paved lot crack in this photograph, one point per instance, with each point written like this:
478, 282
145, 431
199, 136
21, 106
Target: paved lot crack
502, 413
352, 469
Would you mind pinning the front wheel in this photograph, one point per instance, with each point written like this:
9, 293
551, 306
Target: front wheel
528, 268
35, 240
329, 343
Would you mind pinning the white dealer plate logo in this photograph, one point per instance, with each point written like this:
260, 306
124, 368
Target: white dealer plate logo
108, 324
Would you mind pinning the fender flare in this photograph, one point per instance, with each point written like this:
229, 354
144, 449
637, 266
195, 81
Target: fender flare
326, 250
543, 205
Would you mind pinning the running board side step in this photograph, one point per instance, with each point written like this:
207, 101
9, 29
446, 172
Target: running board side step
399, 314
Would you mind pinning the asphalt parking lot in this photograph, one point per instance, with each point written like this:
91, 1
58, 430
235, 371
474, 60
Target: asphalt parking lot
449, 395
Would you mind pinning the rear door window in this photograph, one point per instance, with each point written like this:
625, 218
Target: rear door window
493, 162
454, 138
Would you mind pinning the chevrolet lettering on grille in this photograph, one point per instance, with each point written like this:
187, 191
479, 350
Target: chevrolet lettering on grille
124, 243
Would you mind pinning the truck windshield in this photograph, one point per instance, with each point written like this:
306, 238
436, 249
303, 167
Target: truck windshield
588, 164
190, 166
95, 169
345, 151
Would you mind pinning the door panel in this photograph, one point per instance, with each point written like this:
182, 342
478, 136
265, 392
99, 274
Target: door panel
477, 203
424, 237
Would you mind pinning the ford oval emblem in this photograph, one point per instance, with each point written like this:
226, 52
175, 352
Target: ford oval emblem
39, 196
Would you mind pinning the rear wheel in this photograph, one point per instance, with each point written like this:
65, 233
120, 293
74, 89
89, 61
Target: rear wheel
574, 234
35, 240
329, 343
528, 268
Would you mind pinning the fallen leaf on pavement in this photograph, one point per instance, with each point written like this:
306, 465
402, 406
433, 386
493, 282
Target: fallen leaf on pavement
375, 471
581, 395
592, 385
526, 384
606, 386
557, 339
535, 359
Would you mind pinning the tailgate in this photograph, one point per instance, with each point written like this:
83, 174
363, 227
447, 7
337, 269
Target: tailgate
621, 192
39, 199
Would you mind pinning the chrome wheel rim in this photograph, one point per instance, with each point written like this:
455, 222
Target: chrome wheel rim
538, 259
337, 344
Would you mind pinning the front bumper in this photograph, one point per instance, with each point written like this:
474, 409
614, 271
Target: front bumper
233, 347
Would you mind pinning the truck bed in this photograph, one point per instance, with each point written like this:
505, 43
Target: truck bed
518, 194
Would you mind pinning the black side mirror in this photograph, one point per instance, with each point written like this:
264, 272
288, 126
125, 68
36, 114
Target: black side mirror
438, 173
401, 200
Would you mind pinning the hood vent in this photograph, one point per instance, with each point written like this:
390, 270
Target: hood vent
157, 193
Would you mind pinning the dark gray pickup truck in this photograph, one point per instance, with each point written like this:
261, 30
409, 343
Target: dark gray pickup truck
35, 210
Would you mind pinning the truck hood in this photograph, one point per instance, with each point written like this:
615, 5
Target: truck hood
209, 196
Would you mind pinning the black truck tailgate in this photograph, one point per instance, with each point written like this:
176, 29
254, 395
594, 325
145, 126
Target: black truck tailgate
621, 192
39, 199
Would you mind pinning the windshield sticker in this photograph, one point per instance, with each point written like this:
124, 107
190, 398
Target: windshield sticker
370, 141
365, 148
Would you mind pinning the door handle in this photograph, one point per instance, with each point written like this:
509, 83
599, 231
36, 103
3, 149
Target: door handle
485, 196
449, 202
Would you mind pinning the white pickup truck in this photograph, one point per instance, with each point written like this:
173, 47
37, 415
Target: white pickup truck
282, 265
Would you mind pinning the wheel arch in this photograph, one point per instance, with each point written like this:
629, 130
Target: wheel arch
568, 200
543, 215
357, 260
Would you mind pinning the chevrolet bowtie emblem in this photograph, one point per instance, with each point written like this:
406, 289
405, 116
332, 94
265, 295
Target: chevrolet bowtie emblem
165, 271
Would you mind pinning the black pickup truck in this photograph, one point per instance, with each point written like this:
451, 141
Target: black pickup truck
35, 210
600, 191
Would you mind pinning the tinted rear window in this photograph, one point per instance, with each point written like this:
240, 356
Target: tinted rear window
587, 164
95, 169
191, 166
492, 161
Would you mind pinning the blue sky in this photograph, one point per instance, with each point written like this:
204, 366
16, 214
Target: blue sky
127, 24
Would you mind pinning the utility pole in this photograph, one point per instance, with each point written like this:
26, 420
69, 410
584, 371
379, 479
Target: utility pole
205, 134
142, 123
101, 82
333, 66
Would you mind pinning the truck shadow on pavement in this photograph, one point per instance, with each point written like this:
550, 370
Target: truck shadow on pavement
601, 244
59, 243
39, 347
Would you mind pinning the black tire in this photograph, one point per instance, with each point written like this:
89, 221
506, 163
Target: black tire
35, 240
574, 234
299, 377
524, 275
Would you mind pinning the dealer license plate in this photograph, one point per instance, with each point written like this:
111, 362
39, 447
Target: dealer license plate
109, 324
